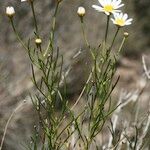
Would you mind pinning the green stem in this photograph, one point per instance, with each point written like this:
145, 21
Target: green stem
85, 37
106, 33
17, 35
83, 32
54, 22
51, 40
83, 90
34, 17
114, 38
122, 43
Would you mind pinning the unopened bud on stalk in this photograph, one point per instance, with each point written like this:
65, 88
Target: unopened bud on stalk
10, 11
81, 11
126, 34
38, 42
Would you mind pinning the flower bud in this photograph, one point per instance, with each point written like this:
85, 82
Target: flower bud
10, 11
38, 41
81, 11
126, 34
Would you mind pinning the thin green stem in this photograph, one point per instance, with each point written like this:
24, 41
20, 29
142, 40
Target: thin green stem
114, 38
122, 43
52, 33
54, 22
35, 21
107, 26
83, 32
85, 37
82, 92
17, 35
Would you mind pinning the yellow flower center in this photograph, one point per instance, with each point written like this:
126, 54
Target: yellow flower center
108, 8
120, 22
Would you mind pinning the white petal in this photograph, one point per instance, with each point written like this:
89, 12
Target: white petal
130, 19
107, 13
112, 20
118, 2
125, 16
116, 15
116, 11
114, 1
107, 2
128, 23
102, 2
98, 8
118, 6
120, 15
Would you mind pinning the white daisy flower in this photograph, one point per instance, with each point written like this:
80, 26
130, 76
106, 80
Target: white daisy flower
10, 11
121, 19
108, 6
